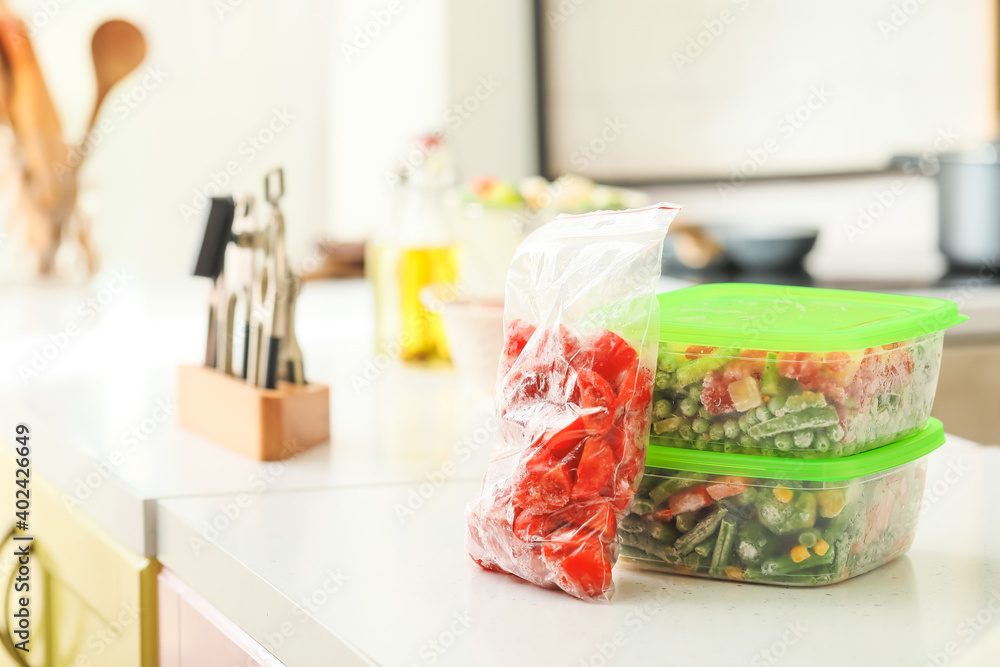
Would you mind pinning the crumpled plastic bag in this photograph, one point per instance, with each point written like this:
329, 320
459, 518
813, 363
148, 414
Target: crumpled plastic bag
573, 399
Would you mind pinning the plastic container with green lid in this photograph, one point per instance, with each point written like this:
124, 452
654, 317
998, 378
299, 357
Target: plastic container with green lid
777, 521
795, 371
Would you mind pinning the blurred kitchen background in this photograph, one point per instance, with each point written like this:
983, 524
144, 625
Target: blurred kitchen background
842, 144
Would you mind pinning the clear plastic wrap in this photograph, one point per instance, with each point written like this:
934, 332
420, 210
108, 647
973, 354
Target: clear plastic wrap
573, 398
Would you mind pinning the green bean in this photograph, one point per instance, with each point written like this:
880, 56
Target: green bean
835, 432
631, 524
642, 506
685, 522
791, 517
809, 537
663, 532
821, 443
793, 421
705, 548
695, 369
754, 544
783, 441
700, 532
692, 561
723, 547
803, 439
650, 546
785, 565
672, 485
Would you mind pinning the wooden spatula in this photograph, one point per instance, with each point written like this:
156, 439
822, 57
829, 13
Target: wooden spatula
117, 48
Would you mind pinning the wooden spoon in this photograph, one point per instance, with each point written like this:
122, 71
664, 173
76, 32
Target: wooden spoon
117, 48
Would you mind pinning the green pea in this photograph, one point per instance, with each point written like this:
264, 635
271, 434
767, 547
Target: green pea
685, 431
661, 381
775, 404
700, 425
661, 409
689, 407
717, 431
762, 413
704, 413
732, 429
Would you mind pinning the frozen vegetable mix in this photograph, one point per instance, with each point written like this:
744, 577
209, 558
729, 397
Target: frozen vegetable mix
767, 520
795, 372
573, 400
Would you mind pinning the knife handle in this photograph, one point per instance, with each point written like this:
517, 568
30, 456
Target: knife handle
246, 348
271, 370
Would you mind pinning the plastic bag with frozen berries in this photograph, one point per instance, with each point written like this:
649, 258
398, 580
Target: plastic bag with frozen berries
573, 396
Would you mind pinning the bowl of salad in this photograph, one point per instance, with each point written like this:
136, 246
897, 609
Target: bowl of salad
778, 521
795, 372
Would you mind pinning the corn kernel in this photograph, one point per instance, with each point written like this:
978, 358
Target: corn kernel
799, 553
821, 547
734, 572
783, 494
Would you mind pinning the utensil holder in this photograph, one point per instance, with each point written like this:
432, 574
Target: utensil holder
263, 424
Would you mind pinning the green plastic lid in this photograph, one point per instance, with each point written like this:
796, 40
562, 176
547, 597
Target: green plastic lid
808, 470
799, 319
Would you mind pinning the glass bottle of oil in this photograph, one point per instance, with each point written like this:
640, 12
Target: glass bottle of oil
418, 251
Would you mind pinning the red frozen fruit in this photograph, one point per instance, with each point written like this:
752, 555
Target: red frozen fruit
532, 523
515, 338
596, 467
898, 369
609, 355
560, 442
597, 402
715, 394
557, 341
837, 362
543, 489
798, 365
635, 392
577, 558
615, 437
596, 515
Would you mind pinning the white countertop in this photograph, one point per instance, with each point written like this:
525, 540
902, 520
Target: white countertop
119, 373
402, 591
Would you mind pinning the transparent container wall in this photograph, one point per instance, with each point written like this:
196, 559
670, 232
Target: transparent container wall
769, 531
793, 404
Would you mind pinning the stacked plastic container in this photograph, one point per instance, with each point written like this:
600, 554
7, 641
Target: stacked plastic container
789, 434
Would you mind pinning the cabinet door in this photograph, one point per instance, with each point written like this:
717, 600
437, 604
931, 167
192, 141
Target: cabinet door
193, 633
92, 601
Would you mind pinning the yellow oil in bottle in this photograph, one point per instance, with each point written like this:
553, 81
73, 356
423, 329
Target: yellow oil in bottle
422, 336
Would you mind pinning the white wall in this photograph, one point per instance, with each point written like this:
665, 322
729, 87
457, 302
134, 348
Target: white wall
464, 66
223, 75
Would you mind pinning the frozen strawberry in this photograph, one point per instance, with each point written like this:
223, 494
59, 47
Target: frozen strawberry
515, 339
596, 467
715, 394
610, 356
597, 402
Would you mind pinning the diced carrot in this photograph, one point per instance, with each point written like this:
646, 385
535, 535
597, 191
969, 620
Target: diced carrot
727, 486
690, 500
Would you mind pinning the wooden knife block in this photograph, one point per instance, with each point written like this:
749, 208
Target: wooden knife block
263, 424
